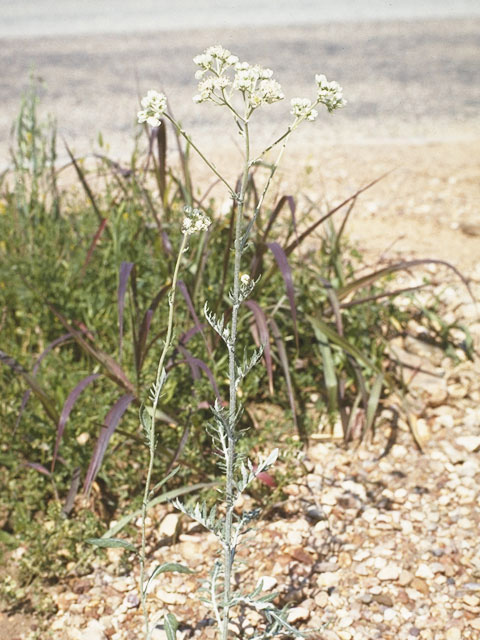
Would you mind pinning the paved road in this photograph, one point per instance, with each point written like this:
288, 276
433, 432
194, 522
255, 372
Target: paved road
403, 79
68, 17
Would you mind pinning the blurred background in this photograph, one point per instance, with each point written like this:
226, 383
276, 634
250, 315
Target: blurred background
410, 69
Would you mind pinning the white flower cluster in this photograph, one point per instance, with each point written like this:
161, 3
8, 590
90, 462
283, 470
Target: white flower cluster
329, 93
303, 108
208, 87
154, 105
194, 221
215, 57
254, 82
245, 279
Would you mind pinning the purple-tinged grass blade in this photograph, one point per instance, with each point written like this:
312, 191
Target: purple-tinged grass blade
298, 240
47, 402
167, 245
115, 166
286, 272
183, 288
399, 266
111, 421
93, 244
72, 492
379, 296
273, 216
282, 354
113, 369
161, 139
67, 408
188, 335
264, 336
141, 350
83, 180
196, 364
124, 274
38, 467
64, 338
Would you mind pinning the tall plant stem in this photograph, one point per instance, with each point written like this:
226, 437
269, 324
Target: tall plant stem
160, 378
230, 459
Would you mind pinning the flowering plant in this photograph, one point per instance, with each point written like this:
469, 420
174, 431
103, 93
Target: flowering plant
241, 88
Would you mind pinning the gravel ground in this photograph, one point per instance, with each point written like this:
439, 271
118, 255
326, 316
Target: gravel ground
379, 543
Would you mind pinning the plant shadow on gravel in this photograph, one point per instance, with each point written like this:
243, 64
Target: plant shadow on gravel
84, 275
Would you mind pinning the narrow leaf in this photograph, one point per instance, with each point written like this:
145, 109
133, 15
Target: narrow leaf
93, 244
282, 354
145, 326
330, 377
61, 340
161, 139
113, 369
337, 339
264, 335
286, 272
279, 206
111, 421
195, 365
399, 266
373, 401
125, 270
183, 288
67, 408
167, 567
38, 467
170, 625
298, 240
47, 402
112, 543
72, 492
84, 182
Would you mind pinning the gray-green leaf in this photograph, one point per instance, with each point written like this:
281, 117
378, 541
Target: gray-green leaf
112, 543
170, 625
167, 567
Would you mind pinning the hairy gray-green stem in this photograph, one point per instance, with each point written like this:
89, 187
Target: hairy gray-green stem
151, 440
230, 461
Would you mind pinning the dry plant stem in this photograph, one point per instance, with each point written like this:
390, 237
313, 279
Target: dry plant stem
230, 462
160, 370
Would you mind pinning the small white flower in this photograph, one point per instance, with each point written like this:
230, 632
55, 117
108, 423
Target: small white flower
154, 105
194, 221
270, 91
329, 93
303, 108
245, 279
203, 60
216, 53
224, 55
208, 86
